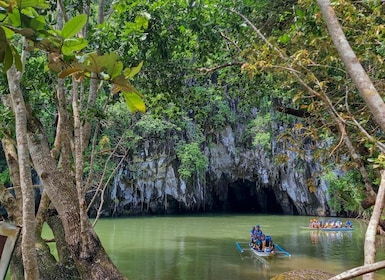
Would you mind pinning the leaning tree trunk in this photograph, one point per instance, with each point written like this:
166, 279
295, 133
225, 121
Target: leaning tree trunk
91, 258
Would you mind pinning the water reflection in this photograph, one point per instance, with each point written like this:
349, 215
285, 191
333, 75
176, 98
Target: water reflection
203, 247
325, 237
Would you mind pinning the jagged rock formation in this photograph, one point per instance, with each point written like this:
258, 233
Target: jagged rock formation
238, 179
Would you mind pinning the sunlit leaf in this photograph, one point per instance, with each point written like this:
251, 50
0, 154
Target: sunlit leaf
131, 72
284, 39
15, 18
3, 4
134, 102
73, 26
41, 4
38, 23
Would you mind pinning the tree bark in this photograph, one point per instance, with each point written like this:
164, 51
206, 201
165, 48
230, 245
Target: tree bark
91, 259
28, 230
370, 236
358, 271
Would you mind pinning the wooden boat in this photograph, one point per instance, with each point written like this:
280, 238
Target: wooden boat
277, 250
329, 229
259, 253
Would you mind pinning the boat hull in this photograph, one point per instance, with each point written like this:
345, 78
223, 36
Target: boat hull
328, 229
262, 253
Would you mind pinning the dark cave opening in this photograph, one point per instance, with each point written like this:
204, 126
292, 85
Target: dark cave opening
244, 197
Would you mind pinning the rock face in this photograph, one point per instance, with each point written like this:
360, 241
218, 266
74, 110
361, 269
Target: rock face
237, 179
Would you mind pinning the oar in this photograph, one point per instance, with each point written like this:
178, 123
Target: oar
281, 250
239, 247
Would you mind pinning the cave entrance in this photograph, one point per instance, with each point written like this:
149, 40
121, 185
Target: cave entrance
244, 197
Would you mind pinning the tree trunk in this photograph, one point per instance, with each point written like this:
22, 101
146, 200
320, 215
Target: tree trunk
91, 259
28, 230
370, 236
66, 266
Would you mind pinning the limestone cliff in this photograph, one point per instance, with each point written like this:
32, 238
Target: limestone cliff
238, 179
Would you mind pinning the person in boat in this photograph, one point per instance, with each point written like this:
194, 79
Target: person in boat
258, 243
252, 231
263, 241
349, 224
314, 223
253, 242
329, 224
269, 245
258, 230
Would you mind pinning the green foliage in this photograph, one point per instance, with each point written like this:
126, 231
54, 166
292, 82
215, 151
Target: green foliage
7, 121
260, 129
210, 108
73, 26
378, 162
345, 191
63, 49
193, 161
4, 176
149, 126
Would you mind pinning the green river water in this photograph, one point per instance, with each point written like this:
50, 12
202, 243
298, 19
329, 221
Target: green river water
203, 247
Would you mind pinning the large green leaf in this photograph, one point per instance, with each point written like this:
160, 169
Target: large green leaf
15, 18
73, 26
131, 72
114, 67
41, 4
8, 32
134, 102
73, 45
96, 63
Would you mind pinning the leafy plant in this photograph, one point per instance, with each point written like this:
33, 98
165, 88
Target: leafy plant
193, 161
345, 191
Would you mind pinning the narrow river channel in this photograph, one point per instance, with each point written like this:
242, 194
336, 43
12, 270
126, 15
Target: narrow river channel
203, 247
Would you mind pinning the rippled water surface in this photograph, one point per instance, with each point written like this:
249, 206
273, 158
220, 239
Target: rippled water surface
203, 247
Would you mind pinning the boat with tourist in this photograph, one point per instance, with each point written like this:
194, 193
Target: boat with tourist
330, 225
261, 245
